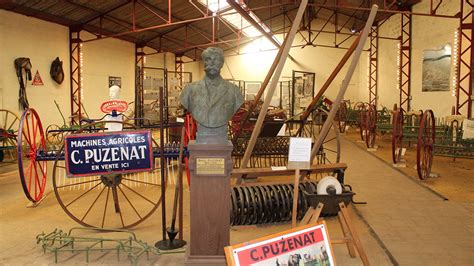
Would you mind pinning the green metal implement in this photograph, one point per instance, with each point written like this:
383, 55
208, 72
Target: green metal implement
59, 241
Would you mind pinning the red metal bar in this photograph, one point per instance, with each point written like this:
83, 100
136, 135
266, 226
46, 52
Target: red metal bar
384, 10
465, 61
169, 11
76, 76
405, 62
139, 76
147, 7
373, 63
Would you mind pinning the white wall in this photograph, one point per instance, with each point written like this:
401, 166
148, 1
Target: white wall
427, 33
41, 41
104, 58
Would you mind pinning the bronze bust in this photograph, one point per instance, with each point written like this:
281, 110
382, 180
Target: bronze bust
212, 101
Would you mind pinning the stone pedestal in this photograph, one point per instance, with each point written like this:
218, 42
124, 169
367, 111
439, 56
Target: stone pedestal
210, 166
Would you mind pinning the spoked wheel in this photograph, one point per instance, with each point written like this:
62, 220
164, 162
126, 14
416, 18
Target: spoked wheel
116, 200
341, 116
361, 110
9, 123
31, 143
397, 135
424, 149
370, 126
189, 134
54, 136
330, 151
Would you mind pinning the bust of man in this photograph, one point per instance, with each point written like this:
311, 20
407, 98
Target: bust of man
212, 101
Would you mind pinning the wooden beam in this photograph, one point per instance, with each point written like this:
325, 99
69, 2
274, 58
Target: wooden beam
276, 76
345, 83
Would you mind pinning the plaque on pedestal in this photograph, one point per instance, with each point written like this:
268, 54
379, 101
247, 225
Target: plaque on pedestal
210, 166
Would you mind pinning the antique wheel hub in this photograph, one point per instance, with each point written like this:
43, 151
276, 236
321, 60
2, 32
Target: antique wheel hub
111, 180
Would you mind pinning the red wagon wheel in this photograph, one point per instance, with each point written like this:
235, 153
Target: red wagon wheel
116, 200
397, 135
342, 117
361, 109
370, 126
30, 143
424, 149
190, 134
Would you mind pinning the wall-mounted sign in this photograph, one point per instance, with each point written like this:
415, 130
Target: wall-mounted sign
37, 81
106, 153
115, 81
305, 245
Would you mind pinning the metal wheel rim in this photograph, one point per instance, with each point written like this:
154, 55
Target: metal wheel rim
29, 137
426, 137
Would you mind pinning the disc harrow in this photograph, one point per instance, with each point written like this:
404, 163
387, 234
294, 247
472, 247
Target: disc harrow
273, 203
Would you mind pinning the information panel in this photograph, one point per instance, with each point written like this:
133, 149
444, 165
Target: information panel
106, 153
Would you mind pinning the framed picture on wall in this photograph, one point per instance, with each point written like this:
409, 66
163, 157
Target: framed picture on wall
115, 81
436, 69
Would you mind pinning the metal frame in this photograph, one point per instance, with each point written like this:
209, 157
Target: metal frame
373, 63
465, 61
404, 81
139, 75
75, 55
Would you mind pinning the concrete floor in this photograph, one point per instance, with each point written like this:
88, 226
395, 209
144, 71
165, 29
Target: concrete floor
403, 223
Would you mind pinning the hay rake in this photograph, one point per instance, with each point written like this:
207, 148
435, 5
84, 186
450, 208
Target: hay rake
73, 242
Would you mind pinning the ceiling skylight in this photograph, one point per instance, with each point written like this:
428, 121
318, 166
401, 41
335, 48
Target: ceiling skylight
235, 19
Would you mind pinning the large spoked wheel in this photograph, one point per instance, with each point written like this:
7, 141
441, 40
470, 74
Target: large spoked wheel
330, 151
342, 117
9, 123
424, 149
361, 111
370, 126
54, 136
397, 135
31, 143
117, 200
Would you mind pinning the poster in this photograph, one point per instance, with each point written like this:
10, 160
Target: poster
115, 81
436, 69
306, 245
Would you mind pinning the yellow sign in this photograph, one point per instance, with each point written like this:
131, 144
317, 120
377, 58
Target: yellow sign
210, 166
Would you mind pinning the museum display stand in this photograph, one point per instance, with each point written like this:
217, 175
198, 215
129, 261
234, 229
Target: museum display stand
210, 166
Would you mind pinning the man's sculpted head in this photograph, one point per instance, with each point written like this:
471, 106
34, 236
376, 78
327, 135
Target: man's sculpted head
213, 58
114, 92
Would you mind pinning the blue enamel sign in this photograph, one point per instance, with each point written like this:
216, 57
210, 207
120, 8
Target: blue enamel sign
106, 153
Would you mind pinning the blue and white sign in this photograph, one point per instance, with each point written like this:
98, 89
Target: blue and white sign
106, 153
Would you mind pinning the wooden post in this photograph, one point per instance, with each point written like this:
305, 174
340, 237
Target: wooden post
295, 197
345, 83
328, 82
276, 76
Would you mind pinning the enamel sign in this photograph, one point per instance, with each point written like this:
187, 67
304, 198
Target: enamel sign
106, 153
